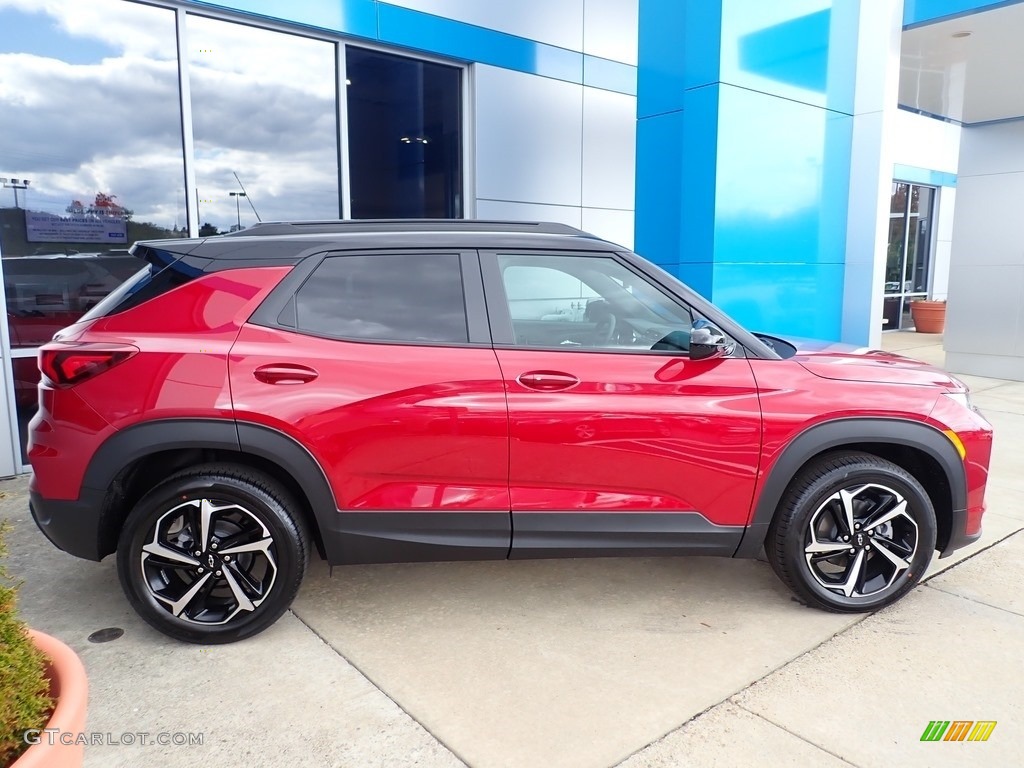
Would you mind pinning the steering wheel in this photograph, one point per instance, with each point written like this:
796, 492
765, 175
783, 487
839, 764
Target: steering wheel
604, 331
599, 312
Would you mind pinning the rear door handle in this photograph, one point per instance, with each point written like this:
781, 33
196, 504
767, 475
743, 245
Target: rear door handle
547, 381
285, 373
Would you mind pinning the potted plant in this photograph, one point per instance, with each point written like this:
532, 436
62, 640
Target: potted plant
42, 685
929, 316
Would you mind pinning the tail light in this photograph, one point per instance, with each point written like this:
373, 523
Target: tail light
67, 366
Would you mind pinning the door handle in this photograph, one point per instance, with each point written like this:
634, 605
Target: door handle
547, 381
284, 373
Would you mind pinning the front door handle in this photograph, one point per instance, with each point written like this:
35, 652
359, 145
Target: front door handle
547, 381
285, 373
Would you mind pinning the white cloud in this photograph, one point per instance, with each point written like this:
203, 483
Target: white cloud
129, 27
263, 106
240, 56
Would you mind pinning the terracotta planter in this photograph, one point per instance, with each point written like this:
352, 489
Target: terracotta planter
70, 689
929, 316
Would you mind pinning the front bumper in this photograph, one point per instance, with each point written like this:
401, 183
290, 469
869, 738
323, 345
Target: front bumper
974, 434
73, 526
958, 536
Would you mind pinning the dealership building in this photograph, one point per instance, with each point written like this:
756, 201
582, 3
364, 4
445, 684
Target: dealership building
812, 166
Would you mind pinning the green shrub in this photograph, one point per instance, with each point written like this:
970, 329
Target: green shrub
24, 690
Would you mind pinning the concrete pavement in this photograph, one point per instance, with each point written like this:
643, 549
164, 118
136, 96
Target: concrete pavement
655, 662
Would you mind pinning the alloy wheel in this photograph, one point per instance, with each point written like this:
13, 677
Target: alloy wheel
860, 540
206, 561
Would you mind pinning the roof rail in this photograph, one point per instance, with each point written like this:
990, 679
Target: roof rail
401, 225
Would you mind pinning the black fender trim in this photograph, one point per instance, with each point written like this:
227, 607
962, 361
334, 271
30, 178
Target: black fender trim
274, 445
138, 441
844, 432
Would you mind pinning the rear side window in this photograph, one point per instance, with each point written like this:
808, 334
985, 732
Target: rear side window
162, 272
385, 297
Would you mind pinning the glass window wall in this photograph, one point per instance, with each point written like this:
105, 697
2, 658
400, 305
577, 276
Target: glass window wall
908, 260
91, 160
405, 137
265, 125
93, 153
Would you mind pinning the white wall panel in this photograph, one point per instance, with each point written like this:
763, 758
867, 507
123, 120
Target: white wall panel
924, 142
609, 149
940, 269
996, 366
944, 218
997, 148
985, 317
556, 22
615, 226
871, 160
943, 244
502, 210
529, 145
987, 211
610, 29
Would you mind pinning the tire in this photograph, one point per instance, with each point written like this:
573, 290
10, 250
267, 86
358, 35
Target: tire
884, 555
245, 575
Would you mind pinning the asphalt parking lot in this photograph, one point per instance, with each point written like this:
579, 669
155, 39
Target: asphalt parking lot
654, 662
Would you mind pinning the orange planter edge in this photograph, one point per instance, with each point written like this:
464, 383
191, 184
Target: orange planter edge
69, 687
929, 316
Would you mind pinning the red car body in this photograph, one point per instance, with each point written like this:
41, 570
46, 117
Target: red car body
427, 451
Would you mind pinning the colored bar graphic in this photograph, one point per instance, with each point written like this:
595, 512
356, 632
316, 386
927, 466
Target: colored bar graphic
982, 730
958, 730
935, 730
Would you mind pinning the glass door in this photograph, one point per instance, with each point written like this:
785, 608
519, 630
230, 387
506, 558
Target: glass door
908, 260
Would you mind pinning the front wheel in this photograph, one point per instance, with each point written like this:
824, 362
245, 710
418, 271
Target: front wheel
854, 533
213, 554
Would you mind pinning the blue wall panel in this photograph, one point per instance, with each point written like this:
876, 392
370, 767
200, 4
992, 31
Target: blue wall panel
609, 75
794, 52
917, 12
354, 17
804, 50
787, 299
761, 197
783, 168
404, 27
674, 54
676, 167
858, 317
923, 176
413, 29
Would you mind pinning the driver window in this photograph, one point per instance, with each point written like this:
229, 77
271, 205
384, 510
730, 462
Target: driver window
589, 302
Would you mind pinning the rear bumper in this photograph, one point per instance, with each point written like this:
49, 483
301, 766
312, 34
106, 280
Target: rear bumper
73, 526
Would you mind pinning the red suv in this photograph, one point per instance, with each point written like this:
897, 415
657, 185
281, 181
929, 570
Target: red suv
455, 390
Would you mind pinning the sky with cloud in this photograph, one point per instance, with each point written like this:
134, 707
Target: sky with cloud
89, 102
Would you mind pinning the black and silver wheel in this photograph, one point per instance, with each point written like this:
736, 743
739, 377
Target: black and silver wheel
853, 533
213, 554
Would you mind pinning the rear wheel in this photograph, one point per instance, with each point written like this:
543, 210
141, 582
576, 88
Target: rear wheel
214, 554
854, 533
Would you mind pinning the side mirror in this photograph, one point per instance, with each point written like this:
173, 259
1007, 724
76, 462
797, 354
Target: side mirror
708, 343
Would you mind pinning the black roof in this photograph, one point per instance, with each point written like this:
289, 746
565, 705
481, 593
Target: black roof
338, 226
289, 242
